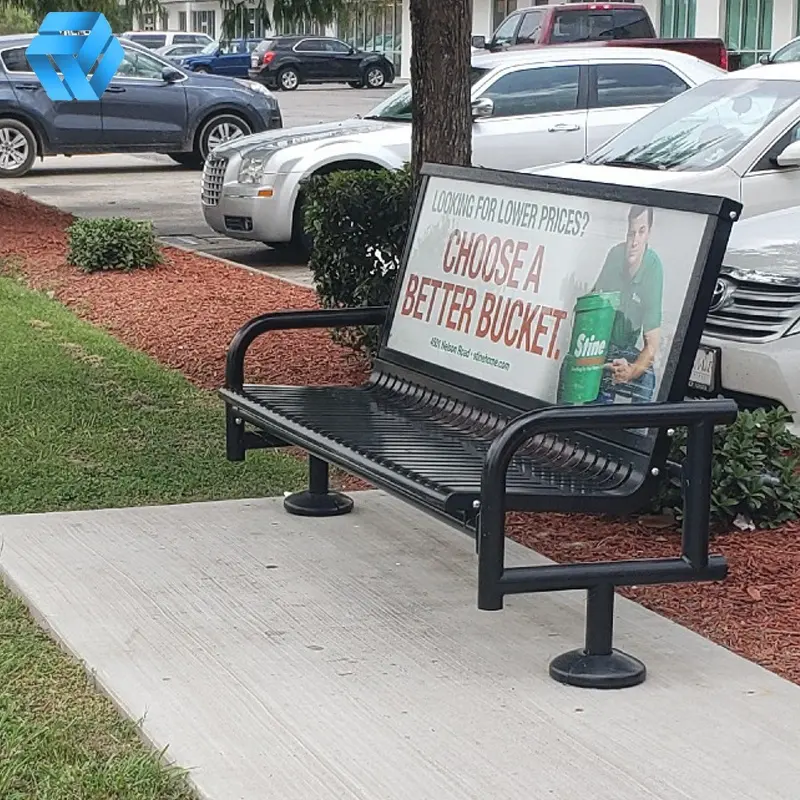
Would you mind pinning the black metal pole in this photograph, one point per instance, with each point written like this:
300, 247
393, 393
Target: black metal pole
599, 619
697, 493
234, 436
492, 533
317, 475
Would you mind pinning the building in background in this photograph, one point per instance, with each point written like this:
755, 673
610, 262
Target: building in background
750, 27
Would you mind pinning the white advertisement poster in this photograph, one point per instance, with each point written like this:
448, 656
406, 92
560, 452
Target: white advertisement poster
566, 299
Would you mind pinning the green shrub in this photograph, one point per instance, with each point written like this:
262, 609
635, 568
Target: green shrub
115, 243
358, 220
757, 446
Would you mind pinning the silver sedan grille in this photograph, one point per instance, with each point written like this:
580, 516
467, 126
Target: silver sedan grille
213, 178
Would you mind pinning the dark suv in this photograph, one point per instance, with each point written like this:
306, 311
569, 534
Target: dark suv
150, 106
287, 61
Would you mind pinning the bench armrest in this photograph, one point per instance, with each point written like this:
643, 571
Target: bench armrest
699, 416
292, 320
573, 418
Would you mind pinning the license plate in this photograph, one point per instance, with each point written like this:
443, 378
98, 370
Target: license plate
254, 61
706, 369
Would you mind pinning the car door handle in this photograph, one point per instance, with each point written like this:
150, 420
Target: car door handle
116, 89
29, 87
563, 127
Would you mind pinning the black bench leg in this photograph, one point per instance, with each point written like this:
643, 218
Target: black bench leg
318, 501
234, 436
598, 665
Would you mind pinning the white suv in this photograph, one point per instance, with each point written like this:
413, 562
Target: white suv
751, 346
547, 105
153, 40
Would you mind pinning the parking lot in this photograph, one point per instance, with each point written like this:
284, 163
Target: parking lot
154, 187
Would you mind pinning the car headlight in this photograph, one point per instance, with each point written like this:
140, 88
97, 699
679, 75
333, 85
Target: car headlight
253, 166
253, 86
254, 162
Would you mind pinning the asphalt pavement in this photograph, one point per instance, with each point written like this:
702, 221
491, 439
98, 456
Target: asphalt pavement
156, 188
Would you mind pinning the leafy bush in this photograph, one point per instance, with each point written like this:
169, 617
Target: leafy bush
754, 473
358, 220
115, 243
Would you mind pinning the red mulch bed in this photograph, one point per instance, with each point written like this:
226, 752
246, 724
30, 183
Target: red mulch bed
184, 314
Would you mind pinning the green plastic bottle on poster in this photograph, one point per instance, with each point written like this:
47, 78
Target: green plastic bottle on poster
582, 370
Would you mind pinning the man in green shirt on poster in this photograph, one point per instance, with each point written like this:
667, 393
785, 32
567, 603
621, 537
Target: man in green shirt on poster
634, 270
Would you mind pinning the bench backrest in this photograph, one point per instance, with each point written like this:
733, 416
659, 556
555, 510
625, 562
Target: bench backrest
519, 291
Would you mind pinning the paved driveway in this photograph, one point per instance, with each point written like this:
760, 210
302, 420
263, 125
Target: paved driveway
154, 187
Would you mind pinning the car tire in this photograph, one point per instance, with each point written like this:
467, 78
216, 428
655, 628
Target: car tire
203, 70
288, 79
356, 84
302, 244
17, 148
374, 77
218, 130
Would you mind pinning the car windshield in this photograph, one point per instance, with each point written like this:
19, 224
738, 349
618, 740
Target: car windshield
790, 52
701, 128
397, 107
210, 49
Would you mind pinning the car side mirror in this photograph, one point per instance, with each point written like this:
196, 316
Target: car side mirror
482, 108
764, 60
352, 50
789, 156
170, 74
479, 42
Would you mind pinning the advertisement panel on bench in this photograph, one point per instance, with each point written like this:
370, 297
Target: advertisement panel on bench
567, 299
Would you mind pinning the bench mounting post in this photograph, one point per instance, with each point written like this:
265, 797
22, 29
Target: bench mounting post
318, 500
598, 665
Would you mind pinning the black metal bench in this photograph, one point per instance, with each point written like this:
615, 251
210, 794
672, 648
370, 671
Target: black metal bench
467, 450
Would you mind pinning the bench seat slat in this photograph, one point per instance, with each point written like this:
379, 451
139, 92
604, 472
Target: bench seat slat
435, 442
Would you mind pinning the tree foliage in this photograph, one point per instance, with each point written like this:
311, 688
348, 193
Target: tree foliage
286, 14
119, 14
16, 20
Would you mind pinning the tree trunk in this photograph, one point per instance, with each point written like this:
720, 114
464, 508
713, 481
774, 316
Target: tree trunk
440, 82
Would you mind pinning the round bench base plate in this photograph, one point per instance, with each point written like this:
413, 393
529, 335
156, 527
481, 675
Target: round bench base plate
616, 670
306, 504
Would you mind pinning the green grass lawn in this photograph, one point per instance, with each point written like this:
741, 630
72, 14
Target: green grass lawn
87, 423
60, 739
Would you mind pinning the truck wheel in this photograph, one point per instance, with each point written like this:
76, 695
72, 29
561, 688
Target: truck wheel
17, 148
288, 79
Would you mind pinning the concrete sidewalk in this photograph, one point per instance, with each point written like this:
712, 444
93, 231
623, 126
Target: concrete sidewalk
345, 659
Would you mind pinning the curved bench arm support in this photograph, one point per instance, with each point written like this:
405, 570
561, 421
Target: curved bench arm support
700, 416
292, 320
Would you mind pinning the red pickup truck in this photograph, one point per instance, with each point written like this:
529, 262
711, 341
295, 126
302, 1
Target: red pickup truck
615, 24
